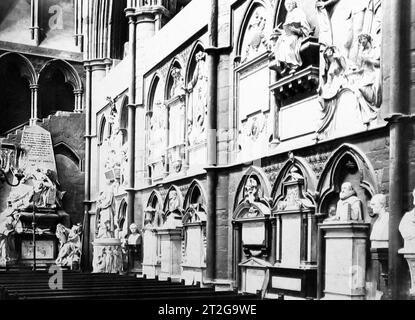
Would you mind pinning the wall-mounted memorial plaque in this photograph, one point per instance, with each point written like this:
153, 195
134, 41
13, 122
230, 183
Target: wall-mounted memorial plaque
37, 144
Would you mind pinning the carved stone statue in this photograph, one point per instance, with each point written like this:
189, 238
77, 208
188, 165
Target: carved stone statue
197, 110
365, 80
134, 238
407, 228
173, 217
178, 87
7, 246
349, 207
350, 34
380, 230
70, 246
251, 189
287, 48
158, 124
255, 35
105, 225
341, 22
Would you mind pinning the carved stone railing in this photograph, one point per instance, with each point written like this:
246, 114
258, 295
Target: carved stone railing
142, 4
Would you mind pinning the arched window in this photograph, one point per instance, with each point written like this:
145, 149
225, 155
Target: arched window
60, 88
102, 131
124, 120
16, 76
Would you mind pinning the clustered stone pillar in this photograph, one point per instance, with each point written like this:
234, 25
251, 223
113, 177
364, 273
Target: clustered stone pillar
35, 30
398, 59
211, 143
34, 88
78, 100
130, 13
88, 138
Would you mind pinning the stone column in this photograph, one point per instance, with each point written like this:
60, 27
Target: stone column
345, 260
34, 88
212, 61
130, 13
87, 200
35, 22
396, 57
78, 101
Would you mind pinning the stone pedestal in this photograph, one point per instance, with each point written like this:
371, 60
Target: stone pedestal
150, 253
194, 266
107, 256
170, 244
379, 258
345, 260
409, 255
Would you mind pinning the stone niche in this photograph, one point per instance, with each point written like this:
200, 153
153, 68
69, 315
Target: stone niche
252, 233
153, 220
169, 236
296, 230
176, 106
194, 244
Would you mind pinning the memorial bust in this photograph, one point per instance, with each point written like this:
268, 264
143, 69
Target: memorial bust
349, 207
134, 239
380, 230
407, 228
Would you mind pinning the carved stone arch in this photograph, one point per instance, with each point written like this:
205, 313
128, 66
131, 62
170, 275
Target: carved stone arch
68, 71
101, 130
195, 211
304, 169
155, 82
27, 71
261, 177
153, 211
173, 188
191, 64
123, 119
122, 214
190, 193
175, 63
245, 21
64, 149
155, 200
347, 159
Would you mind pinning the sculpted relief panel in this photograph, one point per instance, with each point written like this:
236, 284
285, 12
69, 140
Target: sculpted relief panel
333, 46
350, 85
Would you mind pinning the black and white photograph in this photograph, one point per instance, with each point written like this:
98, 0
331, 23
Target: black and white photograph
207, 156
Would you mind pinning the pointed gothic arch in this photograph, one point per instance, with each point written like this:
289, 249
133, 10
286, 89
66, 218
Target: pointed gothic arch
347, 162
253, 6
70, 74
310, 179
195, 192
26, 68
260, 177
101, 130
64, 149
167, 206
175, 64
197, 47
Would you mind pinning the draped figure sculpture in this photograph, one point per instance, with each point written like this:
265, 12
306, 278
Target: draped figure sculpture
289, 39
350, 84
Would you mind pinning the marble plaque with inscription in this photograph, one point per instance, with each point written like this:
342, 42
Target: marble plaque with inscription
37, 143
